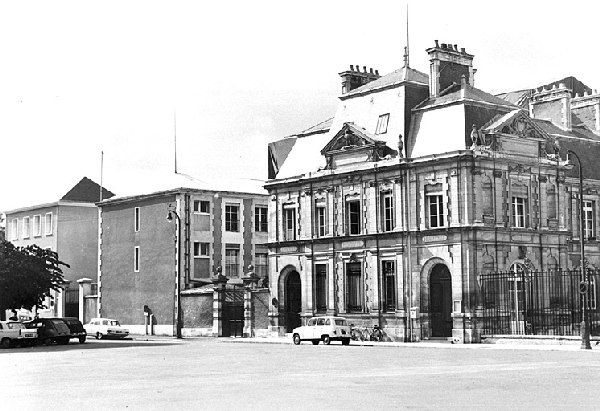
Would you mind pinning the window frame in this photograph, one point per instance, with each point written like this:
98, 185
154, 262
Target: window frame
438, 204
201, 249
261, 219
289, 223
387, 211
136, 219
382, 124
320, 219
48, 224
354, 286
26, 227
350, 224
136, 259
14, 229
589, 223
321, 288
232, 226
37, 232
200, 205
261, 270
229, 270
389, 291
518, 220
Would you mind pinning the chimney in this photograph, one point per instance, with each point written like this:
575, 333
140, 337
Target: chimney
552, 104
587, 108
446, 66
354, 78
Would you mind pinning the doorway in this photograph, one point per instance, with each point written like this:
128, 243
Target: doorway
293, 301
440, 301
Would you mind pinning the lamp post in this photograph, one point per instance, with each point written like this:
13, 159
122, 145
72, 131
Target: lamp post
170, 213
585, 323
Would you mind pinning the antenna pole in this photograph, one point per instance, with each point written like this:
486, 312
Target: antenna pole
406, 51
101, 171
175, 135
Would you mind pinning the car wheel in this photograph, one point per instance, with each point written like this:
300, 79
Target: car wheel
326, 340
297, 339
99, 336
82, 339
46, 341
6, 343
346, 341
315, 342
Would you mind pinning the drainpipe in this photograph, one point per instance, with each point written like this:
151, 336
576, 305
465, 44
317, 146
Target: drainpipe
379, 273
409, 263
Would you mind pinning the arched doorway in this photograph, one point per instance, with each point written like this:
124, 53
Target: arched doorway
293, 301
440, 301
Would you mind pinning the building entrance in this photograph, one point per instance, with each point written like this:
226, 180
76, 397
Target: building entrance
440, 301
293, 301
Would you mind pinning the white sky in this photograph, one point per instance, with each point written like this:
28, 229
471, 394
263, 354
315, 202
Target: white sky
80, 77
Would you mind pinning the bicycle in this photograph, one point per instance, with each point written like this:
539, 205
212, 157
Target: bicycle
376, 334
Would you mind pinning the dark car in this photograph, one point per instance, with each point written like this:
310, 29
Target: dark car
51, 330
76, 328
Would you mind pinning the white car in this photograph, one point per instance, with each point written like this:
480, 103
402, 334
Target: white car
105, 327
324, 329
14, 332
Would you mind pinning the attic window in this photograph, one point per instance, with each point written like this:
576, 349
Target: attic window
382, 124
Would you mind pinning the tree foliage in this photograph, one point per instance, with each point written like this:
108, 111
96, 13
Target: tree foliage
27, 275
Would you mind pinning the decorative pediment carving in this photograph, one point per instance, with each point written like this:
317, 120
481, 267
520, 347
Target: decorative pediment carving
349, 137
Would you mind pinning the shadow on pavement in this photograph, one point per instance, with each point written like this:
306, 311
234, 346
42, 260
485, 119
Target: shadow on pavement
88, 345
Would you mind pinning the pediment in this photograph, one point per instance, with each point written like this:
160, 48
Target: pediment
517, 123
349, 137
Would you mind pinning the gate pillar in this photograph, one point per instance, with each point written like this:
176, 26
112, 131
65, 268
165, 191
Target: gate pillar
250, 283
85, 289
218, 299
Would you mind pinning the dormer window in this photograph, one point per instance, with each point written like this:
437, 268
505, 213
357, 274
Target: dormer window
382, 124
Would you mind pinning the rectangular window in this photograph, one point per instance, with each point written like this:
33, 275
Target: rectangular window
37, 225
589, 228
14, 229
232, 217
382, 124
389, 290
435, 206
260, 219
232, 262
289, 224
354, 287
387, 208
26, 227
320, 220
321, 287
201, 249
136, 217
48, 226
261, 265
201, 207
519, 206
593, 293
353, 216
136, 259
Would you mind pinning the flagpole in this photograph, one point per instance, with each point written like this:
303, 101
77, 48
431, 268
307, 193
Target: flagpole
101, 171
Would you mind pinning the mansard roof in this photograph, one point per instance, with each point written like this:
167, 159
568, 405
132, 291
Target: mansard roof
402, 75
466, 92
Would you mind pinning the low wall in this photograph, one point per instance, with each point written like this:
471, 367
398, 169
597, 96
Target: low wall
197, 313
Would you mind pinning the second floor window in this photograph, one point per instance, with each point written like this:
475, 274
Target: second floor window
387, 211
382, 124
201, 249
48, 228
201, 206
289, 223
588, 220
435, 207
320, 222
232, 257
37, 225
353, 216
26, 227
14, 229
136, 259
232, 217
261, 265
518, 212
137, 219
260, 219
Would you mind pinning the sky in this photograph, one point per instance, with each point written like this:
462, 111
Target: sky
123, 78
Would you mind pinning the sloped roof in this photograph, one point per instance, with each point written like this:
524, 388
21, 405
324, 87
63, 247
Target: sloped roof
404, 74
455, 93
87, 191
518, 98
321, 127
585, 116
577, 131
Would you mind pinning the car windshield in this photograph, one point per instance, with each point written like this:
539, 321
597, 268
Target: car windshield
14, 326
340, 322
57, 322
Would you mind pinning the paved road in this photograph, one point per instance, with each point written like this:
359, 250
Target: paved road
216, 374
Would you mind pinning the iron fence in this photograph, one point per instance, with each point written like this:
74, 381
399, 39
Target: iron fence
538, 302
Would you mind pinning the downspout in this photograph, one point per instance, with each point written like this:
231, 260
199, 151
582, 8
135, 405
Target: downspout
312, 245
379, 273
407, 203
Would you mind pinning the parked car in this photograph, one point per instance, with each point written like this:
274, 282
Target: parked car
106, 327
50, 330
324, 329
76, 328
14, 333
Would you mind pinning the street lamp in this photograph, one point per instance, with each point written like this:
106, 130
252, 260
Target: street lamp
170, 213
585, 323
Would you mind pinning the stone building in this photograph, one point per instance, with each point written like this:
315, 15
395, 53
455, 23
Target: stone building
161, 253
389, 212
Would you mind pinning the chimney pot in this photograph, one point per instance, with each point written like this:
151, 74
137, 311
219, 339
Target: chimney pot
462, 50
351, 67
371, 70
577, 95
455, 47
377, 72
463, 81
437, 45
365, 69
443, 45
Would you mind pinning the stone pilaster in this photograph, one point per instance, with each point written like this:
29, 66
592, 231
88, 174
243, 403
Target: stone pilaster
250, 283
220, 281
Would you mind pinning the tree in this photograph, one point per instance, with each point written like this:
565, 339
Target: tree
27, 275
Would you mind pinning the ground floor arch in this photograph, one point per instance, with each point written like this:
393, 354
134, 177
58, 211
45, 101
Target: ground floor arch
440, 301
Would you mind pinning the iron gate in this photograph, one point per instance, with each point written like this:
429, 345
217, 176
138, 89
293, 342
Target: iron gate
72, 302
233, 312
538, 302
